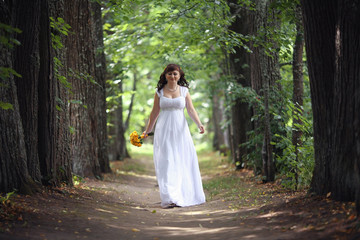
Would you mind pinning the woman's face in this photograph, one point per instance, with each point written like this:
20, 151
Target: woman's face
173, 76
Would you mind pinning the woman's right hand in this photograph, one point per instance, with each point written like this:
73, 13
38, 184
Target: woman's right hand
145, 134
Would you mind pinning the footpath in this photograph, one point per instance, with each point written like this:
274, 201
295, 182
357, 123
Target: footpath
126, 205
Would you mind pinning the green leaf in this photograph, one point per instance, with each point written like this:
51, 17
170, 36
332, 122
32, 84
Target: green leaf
6, 106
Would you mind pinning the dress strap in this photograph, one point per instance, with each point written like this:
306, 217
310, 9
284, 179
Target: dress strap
183, 91
159, 93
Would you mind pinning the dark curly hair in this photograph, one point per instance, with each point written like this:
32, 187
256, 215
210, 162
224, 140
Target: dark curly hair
169, 68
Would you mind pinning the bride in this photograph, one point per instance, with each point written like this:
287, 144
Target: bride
175, 159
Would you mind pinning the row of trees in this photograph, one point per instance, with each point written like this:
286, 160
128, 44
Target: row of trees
246, 60
52, 115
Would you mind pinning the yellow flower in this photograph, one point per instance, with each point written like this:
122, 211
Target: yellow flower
137, 140
134, 139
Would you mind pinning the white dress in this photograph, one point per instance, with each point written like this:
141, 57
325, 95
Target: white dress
175, 159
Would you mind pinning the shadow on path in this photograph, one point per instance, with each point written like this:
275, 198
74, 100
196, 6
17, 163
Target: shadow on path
126, 205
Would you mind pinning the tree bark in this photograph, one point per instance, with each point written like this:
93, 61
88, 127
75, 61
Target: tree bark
298, 84
80, 60
217, 118
57, 162
13, 160
332, 38
26, 62
319, 27
264, 73
100, 73
240, 71
120, 143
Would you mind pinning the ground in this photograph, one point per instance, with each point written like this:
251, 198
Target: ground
126, 205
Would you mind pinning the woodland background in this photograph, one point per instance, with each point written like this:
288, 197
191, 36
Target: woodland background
78, 76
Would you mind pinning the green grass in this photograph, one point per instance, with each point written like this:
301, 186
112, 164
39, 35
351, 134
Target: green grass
145, 150
133, 167
242, 192
212, 163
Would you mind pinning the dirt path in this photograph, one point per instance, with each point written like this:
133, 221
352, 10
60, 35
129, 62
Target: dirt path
127, 206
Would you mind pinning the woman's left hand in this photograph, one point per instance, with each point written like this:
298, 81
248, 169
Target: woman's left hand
202, 129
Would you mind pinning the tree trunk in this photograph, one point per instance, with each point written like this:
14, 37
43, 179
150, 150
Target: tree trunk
100, 72
13, 160
26, 62
56, 160
264, 73
218, 117
240, 71
319, 26
332, 37
298, 84
80, 60
120, 144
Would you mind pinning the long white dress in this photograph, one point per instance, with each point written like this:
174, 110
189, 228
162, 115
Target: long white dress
175, 159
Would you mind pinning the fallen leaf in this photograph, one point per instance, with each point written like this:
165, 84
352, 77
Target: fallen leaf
135, 230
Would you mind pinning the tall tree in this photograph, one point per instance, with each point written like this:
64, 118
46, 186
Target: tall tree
26, 17
264, 74
37, 148
240, 72
219, 143
80, 63
54, 96
13, 160
120, 142
100, 74
298, 83
332, 36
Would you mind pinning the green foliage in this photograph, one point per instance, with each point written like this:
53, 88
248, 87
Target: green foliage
142, 37
6, 106
7, 197
8, 41
59, 27
286, 161
6, 38
77, 179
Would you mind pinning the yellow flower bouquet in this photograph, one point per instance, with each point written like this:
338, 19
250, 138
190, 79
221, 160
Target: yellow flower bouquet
137, 140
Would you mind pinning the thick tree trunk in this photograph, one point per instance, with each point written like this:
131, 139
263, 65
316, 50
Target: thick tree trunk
56, 160
240, 71
298, 84
80, 59
332, 37
319, 26
13, 160
26, 62
100, 72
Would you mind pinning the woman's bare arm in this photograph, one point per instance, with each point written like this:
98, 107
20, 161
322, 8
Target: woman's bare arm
153, 116
193, 114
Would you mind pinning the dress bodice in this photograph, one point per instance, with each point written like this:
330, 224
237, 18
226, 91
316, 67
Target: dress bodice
173, 103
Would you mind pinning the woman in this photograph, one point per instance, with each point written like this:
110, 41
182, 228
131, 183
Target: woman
175, 159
